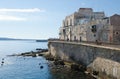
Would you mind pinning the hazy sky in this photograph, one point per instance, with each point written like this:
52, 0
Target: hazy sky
39, 19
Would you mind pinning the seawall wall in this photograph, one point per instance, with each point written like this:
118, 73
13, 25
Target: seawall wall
98, 57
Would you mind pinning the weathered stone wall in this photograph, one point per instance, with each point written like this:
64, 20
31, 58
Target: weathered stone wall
99, 58
115, 22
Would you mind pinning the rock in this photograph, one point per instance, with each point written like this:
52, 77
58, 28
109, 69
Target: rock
56, 62
41, 50
50, 58
39, 63
59, 62
75, 67
40, 54
44, 50
38, 49
82, 68
33, 55
2, 62
41, 67
2, 58
95, 73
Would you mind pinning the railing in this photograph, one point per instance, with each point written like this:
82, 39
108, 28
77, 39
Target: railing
92, 42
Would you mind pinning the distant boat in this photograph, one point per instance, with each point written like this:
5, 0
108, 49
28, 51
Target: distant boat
41, 40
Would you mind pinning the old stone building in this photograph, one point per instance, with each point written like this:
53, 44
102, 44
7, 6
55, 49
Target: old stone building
115, 23
86, 25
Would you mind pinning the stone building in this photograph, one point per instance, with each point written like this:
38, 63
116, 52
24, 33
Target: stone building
86, 25
115, 23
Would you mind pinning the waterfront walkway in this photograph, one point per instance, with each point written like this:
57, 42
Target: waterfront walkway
93, 44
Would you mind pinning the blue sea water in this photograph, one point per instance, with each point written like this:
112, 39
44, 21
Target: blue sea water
22, 67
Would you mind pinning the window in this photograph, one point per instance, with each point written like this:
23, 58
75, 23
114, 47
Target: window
74, 38
63, 30
94, 27
117, 33
94, 35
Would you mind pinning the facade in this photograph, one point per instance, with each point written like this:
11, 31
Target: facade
115, 23
86, 25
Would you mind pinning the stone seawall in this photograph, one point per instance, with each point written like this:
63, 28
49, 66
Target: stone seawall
100, 58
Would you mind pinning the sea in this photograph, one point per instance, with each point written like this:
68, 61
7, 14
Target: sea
18, 67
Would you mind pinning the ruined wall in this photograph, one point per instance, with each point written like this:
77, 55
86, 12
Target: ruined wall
100, 58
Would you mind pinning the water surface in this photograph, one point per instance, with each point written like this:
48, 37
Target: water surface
22, 67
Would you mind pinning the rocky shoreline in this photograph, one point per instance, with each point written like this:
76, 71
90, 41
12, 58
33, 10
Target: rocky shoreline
38, 52
60, 69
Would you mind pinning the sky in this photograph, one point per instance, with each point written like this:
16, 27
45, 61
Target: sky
41, 19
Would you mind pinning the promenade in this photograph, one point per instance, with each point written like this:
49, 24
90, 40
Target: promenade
93, 44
